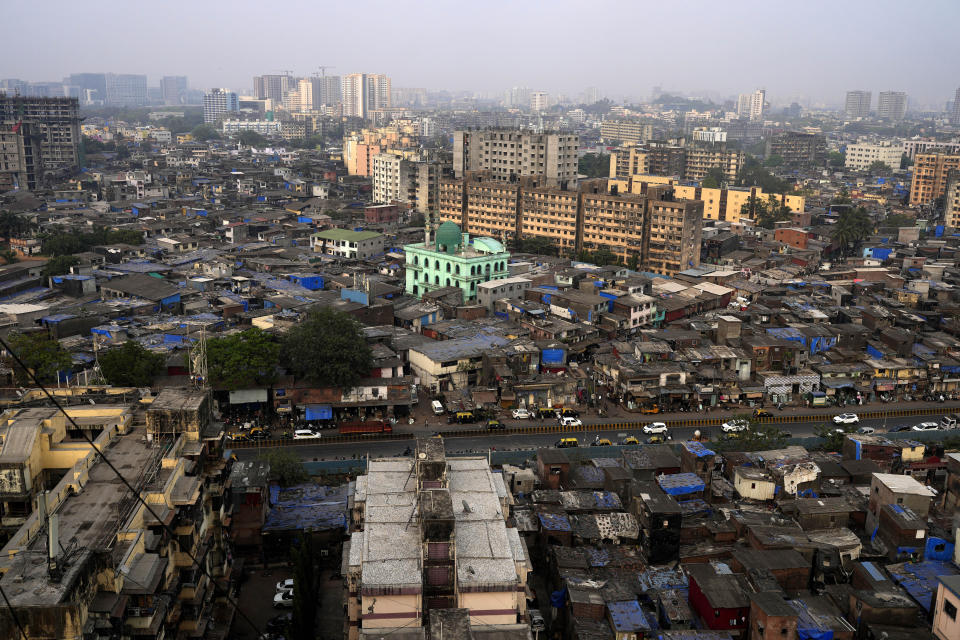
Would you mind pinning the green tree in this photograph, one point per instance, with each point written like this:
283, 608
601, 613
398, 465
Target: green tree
833, 435
13, 225
306, 589
753, 174
899, 220
595, 165
634, 262
59, 265
852, 227
329, 349
774, 161
757, 437
836, 159
536, 244
842, 197
714, 179
243, 360
252, 139
61, 244
40, 354
879, 166
9, 256
131, 365
767, 212
204, 132
286, 468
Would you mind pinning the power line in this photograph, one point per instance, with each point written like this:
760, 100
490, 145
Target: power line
126, 483
14, 614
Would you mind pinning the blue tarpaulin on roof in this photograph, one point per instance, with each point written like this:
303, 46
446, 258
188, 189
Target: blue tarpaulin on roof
810, 626
938, 549
309, 507
319, 412
680, 484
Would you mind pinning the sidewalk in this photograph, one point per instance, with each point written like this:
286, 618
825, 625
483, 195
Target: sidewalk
426, 422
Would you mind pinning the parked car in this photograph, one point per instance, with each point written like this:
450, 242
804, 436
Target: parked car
950, 421
259, 434
570, 422
846, 418
655, 427
629, 440
305, 434
866, 431
545, 413
762, 413
735, 425
280, 623
901, 427
494, 424
283, 599
658, 438
520, 414
651, 410
285, 584
566, 443
437, 408
926, 426
568, 413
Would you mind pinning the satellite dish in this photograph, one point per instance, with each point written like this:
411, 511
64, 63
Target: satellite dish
422, 455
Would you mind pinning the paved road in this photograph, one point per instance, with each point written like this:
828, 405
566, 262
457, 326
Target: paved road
481, 443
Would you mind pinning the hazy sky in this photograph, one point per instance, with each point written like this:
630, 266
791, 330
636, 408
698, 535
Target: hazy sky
811, 48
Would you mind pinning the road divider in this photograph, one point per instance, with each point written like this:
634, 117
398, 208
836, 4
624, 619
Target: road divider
826, 418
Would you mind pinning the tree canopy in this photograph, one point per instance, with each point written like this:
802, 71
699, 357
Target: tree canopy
204, 132
757, 437
714, 179
879, 166
753, 174
243, 360
285, 467
306, 589
252, 139
14, 225
536, 244
59, 265
39, 353
595, 165
131, 365
836, 159
767, 212
852, 226
329, 349
64, 244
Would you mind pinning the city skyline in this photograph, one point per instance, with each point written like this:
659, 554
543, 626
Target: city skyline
787, 63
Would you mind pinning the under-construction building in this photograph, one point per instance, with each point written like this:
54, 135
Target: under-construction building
430, 534
39, 140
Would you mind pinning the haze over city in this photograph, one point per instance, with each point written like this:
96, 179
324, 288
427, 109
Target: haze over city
809, 52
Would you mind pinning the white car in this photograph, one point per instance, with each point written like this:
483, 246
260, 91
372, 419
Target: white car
283, 599
305, 434
732, 426
655, 427
866, 431
846, 418
926, 426
285, 585
520, 414
569, 421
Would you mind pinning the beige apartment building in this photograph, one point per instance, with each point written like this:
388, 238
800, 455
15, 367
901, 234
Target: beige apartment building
727, 204
951, 200
930, 176
428, 534
702, 157
626, 131
598, 215
629, 161
508, 153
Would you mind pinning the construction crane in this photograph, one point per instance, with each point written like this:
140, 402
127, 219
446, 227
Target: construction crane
323, 70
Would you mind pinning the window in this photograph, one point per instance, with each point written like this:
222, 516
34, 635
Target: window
950, 609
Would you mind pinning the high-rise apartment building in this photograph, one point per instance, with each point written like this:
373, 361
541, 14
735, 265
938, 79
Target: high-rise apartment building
507, 153
955, 113
272, 87
327, 91
39, 138
951, 200
364, 92
126, 89
218, 103
626, 131
752, 105
861, 155
797, 148
173, 89
539, 101
701, 157
892, 105
93, 86
930, 172
629, 161
655, 228
411, 181
857, 104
